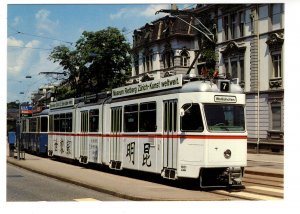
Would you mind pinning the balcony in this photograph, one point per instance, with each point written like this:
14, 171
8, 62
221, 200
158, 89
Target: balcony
275, 83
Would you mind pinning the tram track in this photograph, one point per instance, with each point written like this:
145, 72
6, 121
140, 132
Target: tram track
257, 187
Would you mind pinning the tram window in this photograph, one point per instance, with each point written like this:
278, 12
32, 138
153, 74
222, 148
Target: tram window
62, 123
94, 120
224, 117
191, 121
147, 116
44, 124
38, 125
56, 123
68, 122
32, 125
116, 119
24, 124
51, 128
131, 118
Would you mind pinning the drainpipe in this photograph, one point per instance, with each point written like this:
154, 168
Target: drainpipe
258, 80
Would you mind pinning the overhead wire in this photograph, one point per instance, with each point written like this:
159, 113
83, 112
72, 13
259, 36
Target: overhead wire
38, 36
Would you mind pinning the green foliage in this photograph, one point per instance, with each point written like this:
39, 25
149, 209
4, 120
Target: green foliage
100, 61
207, 47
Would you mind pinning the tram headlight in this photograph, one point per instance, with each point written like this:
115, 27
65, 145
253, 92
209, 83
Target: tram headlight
227, 154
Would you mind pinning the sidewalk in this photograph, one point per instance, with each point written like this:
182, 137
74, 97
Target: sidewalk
126, 187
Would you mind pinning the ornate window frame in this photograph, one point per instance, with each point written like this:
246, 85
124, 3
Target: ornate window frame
275, 43
234, 52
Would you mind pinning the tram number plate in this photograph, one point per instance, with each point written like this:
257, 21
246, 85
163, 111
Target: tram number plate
224, 86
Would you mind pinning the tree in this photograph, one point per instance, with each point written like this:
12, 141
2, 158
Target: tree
100, 62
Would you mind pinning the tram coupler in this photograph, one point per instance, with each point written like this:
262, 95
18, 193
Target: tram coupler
224, 177
232, 175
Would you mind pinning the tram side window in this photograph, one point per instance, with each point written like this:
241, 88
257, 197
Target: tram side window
32, 125
116, 119
38, 125
94, 120
68, 122
62, 123
131, 118
147, 116
191, 120
56, 123
51, 128
24, 125
44, 124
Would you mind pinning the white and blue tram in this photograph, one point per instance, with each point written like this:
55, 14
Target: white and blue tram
34, 134
165, 126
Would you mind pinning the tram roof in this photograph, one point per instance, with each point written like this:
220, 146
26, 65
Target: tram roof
163, 86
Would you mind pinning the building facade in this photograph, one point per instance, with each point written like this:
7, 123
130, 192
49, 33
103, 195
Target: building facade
249, 49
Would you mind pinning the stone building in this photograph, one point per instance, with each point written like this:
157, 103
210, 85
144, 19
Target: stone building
249, 50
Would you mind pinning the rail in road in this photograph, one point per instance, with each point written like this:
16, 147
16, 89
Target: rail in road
257, 188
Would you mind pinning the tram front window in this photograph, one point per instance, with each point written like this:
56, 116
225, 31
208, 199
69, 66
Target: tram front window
191, 119
224, 117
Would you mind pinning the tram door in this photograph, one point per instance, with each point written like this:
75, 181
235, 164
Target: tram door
169, 142
84, 137
115, 142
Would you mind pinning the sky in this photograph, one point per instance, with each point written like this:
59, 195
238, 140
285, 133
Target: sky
33, 30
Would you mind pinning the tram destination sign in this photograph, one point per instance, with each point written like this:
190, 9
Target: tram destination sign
149, 86
225, 99
62, 103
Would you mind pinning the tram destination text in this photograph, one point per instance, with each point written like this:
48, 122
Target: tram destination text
150, 86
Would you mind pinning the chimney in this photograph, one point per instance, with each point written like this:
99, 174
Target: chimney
174, 7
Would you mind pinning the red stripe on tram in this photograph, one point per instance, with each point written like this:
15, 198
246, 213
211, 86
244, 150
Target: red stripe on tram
154, 136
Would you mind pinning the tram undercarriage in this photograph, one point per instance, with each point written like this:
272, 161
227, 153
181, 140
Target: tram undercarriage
221, 177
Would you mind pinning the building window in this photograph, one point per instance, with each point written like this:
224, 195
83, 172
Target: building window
168, 59
184, 59
276, 61
147, 61
233, 26
276, 116
234, 67
241, 23
136, 64
233, 59
276, 16
226, 27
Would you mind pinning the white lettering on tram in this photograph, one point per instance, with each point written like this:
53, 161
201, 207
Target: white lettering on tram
150, 86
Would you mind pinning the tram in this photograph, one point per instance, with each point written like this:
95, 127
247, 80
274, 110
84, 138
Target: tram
170, 126
34, 134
